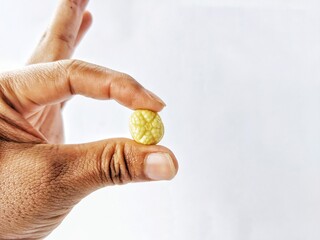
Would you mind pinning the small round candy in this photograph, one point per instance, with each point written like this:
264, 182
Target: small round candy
146, 127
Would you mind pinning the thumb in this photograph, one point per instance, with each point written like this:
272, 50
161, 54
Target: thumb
87, 167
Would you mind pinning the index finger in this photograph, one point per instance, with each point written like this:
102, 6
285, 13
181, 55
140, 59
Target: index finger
38, 85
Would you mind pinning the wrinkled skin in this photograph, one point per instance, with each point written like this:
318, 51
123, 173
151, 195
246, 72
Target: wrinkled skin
41, 179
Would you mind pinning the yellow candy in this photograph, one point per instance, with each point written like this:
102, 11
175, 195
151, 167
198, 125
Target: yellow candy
146, 127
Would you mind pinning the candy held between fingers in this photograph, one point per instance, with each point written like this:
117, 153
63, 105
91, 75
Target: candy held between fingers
146, 127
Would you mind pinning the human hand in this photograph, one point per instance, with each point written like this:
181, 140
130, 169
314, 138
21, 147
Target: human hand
41, 181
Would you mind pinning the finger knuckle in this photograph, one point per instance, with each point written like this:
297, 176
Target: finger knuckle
115, 167
74, 3
66, 38
69, 66
60, 42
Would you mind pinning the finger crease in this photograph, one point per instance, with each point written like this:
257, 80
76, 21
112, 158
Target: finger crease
127, 169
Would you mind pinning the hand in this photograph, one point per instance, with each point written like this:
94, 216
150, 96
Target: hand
40, 181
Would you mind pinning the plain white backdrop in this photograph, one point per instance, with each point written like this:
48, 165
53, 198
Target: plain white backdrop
241, 80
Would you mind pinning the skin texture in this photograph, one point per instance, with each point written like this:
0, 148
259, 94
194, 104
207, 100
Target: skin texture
41, 179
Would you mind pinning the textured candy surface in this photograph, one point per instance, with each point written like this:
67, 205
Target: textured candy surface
146, 127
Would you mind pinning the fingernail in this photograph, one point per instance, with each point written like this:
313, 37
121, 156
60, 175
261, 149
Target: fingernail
155, 97
159, 166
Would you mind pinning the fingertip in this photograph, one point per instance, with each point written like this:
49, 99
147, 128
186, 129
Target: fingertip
158, 103
159, 162
161, 166
175, 161
130, 93
84, 27
173, 157
146, 102
87, 19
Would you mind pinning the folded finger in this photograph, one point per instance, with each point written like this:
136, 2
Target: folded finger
39, 85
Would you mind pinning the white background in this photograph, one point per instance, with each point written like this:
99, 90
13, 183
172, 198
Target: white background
241, 80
